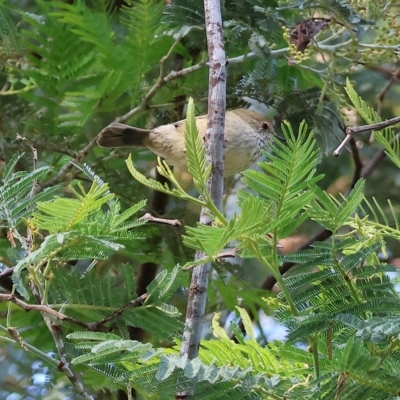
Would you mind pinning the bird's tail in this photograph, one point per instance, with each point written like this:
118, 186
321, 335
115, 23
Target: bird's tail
120, 135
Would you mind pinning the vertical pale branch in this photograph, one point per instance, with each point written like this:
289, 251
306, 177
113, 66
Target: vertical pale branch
214, 138
214, 143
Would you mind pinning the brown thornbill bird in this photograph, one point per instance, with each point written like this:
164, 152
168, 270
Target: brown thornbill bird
246, 134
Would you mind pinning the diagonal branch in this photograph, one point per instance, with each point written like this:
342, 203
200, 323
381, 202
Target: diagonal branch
376, 127
171, 222
173, 75
350, 132
161, 81
97, 326
64, 364
45, 310
64, 171
48, 312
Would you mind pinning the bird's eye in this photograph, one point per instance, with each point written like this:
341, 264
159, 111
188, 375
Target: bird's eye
265, 126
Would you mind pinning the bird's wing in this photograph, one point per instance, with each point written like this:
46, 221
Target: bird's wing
180, 125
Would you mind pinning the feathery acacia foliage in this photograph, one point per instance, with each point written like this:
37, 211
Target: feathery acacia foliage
336, 287
338, 291
73, 68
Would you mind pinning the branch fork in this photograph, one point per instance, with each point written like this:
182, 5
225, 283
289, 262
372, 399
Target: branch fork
350, 132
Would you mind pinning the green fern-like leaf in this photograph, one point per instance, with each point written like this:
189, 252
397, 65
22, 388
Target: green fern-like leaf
100, 353
165, 171
142, 20
164, 285
64, 214
184, 13
331, 213
284, 192
8, 32
89, 297
334, 285
195, 151
95, 336
65, 246
375, 329
372, 222
252, 224
17, 197
287, 178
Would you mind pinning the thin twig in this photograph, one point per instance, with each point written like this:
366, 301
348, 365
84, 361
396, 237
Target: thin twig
45, 310
376, 127
34, 151
39, 145
6, 273
149, 218
183, 102
342, 145
171, 76
350, 132
62, 173
358, 164
96, 326
379, 156
382, 94
229, 253
64, 365
162, 80
17, 340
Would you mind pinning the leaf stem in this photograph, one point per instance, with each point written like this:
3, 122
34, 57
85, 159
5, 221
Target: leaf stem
29, 347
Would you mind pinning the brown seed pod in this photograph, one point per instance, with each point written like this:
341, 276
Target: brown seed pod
302, 33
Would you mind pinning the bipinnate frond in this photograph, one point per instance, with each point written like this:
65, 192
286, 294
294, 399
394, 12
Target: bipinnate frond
287, 176
250, 225
237, 370
87, 68
185, 13
234, 370
108, 293
347, 282
384, 330
94, 298
64, 214
78, 228
17, 197
349, 372
9, 35
331, 213
164, 285
373, 223
142, 22
196, 154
